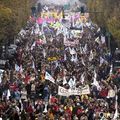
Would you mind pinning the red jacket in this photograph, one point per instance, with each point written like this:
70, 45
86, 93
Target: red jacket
104, 92
27, 78
68, 111
55, 108
13, 86
30, 109
53, 99
79, 111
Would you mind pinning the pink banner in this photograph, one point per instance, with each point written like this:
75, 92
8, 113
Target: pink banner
48, 20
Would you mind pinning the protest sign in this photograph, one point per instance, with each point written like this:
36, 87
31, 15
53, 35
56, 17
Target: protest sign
52, 14
77, 33
53, 58
78, 91
63, 92
70, 43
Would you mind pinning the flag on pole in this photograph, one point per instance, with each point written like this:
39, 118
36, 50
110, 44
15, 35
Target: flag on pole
45, 109
101, 61
21, 69
44, 53
111, 69
64, 80
72, 83
85, 48
91, 56
81, 50
65, 57
72, 51
83, 61
21, 104
72, 58
98, 30
0, 78
75, 58
33, 45
33, 65
49, 77
103, 39
8, 94
82, 78
116, 109
97, 40
17, 68
95, 82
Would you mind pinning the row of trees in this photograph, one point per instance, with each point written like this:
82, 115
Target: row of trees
13, 16
106, 13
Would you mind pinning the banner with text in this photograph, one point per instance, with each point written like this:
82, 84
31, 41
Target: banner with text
78, 91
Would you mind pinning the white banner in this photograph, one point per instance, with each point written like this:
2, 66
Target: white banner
62, 91
49, 77
71, 43
78, 91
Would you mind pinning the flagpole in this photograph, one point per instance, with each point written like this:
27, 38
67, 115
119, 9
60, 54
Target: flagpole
116, 105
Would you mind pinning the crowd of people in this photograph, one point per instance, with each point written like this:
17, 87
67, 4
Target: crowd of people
51, 63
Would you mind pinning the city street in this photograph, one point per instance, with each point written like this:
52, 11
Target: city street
60, 66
